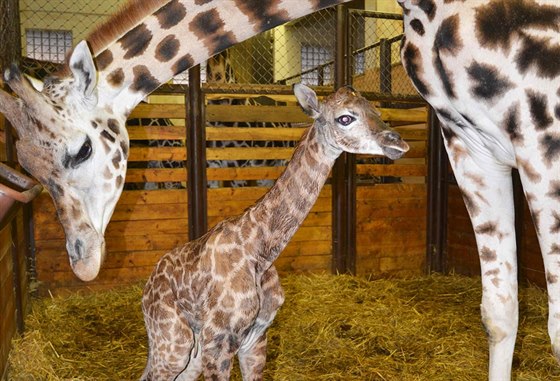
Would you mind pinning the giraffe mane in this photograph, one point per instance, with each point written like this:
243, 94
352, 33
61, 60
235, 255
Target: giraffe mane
126, 18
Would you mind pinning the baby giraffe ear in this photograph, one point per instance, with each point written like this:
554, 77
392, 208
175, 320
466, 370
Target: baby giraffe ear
307, 100
84, 72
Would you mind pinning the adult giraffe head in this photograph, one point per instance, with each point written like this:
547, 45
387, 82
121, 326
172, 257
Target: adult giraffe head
71, 128
75, 149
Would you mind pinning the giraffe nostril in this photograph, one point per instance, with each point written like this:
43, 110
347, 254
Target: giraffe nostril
78, 251
393, 136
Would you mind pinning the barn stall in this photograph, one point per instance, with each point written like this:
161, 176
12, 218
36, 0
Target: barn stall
375, 219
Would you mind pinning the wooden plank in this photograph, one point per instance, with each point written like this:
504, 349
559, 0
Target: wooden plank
305, 264
156, 132
397, 170
154, 110
255, 134
403, 115
244, 173
248, 153
393, 208
413, 133
157, 154
391, 191
255, 114
156, 175
117, 229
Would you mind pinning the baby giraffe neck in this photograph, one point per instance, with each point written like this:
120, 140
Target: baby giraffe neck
283, 208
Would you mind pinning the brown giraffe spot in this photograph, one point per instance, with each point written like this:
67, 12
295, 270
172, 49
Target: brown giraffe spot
538, 106
489, 228
471, 206
104, 59
545, 63
551, 278
554, 249
488, 255
263, 13
143, 81
554, 191
210, 29
417, 26
135, 42
107, 174
117, 159
171, 14
429, 7
550, 145
113, 125
447, 38
487, 81
496, 282
513, 20
477, 180
105, 134
167, 49
116, 77
529, 171
492, 272
555, 228
94, 124
124, 148
413, 66
183, 64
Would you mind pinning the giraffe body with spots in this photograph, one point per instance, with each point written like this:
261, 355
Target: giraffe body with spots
491, 71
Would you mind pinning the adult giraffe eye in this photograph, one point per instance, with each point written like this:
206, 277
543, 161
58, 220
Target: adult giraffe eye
345, 120
83, 154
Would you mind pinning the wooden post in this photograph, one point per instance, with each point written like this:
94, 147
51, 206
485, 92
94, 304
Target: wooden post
437, 198
196, 158
343, 173
10, 41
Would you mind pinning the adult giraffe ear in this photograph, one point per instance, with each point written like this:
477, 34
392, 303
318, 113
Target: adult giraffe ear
307, 100
84, 72
36, 83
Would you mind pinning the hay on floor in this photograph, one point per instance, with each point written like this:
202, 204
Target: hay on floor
330, 328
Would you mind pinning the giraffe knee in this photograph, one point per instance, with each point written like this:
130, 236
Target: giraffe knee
499, 320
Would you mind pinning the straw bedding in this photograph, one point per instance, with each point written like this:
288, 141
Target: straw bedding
330, 328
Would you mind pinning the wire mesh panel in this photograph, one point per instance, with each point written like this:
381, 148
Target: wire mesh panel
375, 61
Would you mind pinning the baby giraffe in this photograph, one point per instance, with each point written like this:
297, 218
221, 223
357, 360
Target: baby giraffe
216, 296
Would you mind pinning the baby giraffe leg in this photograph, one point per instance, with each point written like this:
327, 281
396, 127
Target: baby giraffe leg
252, 359
217, 355
172, 349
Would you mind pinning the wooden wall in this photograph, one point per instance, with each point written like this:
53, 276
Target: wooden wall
8, 300
148, 223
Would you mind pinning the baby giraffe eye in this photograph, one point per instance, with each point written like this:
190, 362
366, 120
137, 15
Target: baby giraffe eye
345, 120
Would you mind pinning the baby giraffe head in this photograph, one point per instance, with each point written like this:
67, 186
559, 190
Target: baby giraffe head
76, 149
350, 123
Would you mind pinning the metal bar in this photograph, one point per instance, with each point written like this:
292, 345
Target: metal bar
343, 179
196, 158
17, 276
385, 67
437, 189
